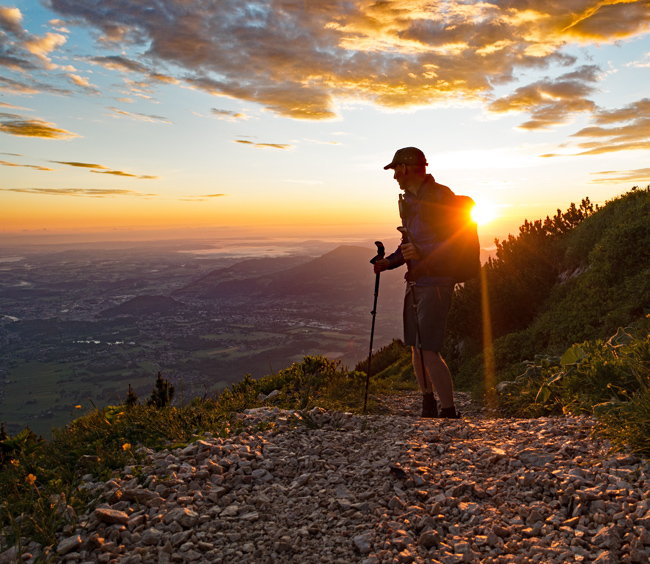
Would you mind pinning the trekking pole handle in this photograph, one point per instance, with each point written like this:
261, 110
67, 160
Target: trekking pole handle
381, 251
408, 238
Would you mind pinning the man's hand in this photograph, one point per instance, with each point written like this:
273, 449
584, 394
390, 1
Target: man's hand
380, 265
410, 251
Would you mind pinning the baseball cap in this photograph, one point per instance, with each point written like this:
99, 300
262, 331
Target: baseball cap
408, 156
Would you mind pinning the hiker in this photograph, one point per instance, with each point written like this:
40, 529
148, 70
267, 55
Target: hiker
428, 281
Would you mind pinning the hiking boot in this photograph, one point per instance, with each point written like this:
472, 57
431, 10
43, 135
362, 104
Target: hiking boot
429, 406
449, 413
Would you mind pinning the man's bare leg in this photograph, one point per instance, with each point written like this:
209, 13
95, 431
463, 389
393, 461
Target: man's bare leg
437, 376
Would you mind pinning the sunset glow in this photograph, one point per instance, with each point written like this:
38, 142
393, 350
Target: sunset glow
483, 213
121, 117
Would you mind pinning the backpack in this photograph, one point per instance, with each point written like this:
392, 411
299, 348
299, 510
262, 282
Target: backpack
461, 243
458, 255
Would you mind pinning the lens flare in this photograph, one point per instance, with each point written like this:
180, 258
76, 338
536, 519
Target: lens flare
488, 349
483, 213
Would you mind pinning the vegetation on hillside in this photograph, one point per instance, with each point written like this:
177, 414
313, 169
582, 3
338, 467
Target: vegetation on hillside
577, 276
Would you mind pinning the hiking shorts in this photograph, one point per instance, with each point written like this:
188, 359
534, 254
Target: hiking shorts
433, 303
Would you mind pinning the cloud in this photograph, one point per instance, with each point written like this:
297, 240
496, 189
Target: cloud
629, 129
264, 145
119, 63
139, 117
228, 114
551, 102
639, 175
78, 164
91, 192
43, 46
115, 173
6, 163
101, 169
302, 59
7, 105
125, 174
163, 78
17, 125
59, 25
11, 20
83, 82
29, 88
643, 63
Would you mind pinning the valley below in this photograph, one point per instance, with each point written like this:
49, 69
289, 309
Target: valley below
79, 325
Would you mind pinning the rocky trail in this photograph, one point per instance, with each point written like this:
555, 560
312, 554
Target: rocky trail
329, 487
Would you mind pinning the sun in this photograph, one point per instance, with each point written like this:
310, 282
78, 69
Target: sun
483, 213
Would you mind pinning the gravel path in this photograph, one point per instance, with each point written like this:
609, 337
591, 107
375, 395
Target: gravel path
337, 488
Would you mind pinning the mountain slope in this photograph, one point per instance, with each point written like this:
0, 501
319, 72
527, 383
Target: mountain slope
343, 274
245, 269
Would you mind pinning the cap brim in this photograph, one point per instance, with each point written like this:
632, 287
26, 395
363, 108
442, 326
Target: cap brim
391, 165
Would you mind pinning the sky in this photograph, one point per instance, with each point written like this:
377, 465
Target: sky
278, 116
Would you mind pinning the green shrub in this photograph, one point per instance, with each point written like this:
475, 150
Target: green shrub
610, 380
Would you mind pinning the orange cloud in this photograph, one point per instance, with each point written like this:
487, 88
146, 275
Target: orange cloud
84, 82
6, 105
16, 125
639, 175
115, 173
298, 59
11, 20
100, 169
78, 164
35, 167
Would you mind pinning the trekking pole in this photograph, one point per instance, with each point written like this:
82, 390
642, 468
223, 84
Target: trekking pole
380, 255
408, 238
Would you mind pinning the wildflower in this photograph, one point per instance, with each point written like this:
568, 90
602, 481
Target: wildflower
30, 479
77, 407
14, 462
126, 446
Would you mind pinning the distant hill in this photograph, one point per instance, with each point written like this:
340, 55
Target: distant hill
245, 269
344, 274
144, 305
